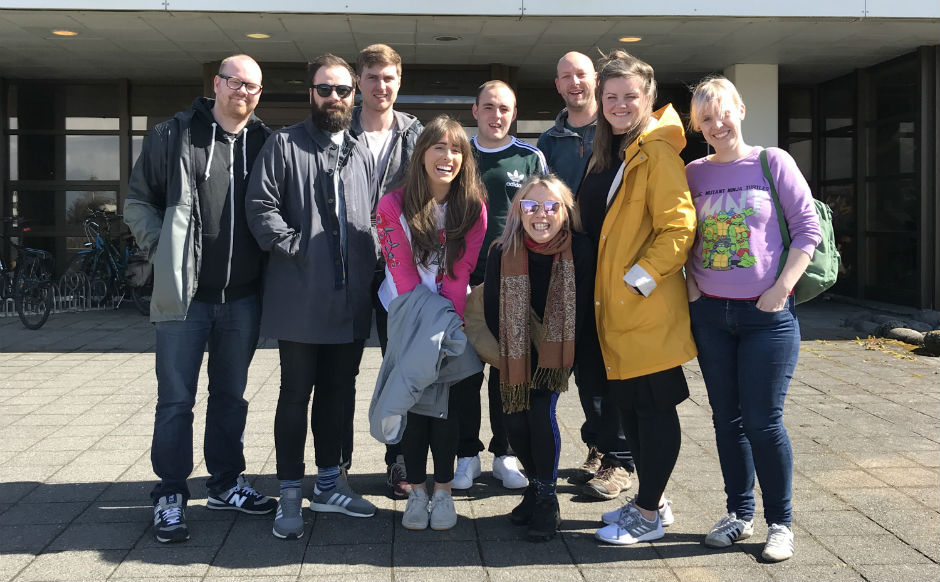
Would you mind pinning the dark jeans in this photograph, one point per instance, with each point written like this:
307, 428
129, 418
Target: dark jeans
230, 330
469, 417
438, 434
747, 357
601, 426
328, 371
535, 436
651, 424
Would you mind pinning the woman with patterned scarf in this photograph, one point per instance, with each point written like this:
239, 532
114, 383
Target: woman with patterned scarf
540, 269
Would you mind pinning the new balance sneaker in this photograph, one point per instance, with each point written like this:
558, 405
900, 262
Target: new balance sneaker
506, 469
609, 482
341, 499
468, 469
416, 510
729, 529
443, 512
631, 528
169, 520
289, 519
779, 546
665, 513
397, 479
242, 498
588, 468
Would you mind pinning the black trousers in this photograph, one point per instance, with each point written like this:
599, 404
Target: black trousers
535, 437
647, 406
349, 413
438, 434
469, 416
328, 371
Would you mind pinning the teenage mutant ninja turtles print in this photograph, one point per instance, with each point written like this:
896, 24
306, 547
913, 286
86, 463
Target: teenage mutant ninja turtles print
726, 240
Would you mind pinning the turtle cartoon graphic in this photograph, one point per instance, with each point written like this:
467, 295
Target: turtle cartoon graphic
721, 256
739, 236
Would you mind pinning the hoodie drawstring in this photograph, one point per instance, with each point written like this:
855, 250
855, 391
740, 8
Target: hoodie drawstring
211, 150
244, 154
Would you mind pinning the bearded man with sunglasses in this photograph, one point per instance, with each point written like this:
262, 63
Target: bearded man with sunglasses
310, 203
185, 206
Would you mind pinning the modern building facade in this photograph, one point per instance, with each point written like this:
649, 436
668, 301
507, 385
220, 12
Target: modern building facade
849, 88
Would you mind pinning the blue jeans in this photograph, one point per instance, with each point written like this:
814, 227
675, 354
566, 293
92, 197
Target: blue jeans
231, 332
747, 357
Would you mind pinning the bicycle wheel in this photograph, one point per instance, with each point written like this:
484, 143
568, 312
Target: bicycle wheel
85, 281
33, 300
141, 298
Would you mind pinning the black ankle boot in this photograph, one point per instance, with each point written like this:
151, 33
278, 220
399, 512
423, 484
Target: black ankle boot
546, 519
522, 513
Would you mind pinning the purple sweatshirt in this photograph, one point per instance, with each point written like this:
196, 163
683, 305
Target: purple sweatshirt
738, 245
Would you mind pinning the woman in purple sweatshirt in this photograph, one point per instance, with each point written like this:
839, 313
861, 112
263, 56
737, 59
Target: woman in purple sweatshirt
742, 310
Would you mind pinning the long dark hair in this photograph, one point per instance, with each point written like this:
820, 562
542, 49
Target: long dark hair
614, 65
464, 201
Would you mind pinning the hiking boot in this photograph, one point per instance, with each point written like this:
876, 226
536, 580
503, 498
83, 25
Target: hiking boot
169, 520
416, 510
546, 519
506, 469
397, 479
610, 480
468, 469
443, 512
588, 468
729, 529
779, 546
631, 528
341, 499
289, 519
242, 498
522, 513
665, 513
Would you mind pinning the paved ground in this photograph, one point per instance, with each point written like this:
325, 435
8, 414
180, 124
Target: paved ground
76, 412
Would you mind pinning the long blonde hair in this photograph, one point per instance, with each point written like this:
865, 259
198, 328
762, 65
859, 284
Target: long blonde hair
464, 200
615, 65
513, 233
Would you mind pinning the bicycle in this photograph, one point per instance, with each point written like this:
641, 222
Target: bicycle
98, 273
28, 283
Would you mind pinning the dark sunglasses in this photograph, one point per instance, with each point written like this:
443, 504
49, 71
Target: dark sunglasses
325, 90
550, 207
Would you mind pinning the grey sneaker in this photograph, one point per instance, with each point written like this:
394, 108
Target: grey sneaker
169, 520
443, 512
779, 545
416, 510
632, 528
665, 513
289, 520
728, 530
341, 499
609, 482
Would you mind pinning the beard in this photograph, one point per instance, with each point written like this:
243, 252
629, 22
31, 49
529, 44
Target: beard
333, 118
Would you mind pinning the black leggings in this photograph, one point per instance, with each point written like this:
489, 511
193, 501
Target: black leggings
648, 410
328, 371
535, 437
438, 434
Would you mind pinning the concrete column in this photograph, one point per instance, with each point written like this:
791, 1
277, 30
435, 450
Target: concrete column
759, 87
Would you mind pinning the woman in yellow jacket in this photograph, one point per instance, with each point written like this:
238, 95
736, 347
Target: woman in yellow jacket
640, 295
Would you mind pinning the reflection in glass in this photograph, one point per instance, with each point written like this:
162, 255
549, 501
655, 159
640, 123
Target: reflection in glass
893, 206
892, 267
842, 200
14, 157
78, 203
33, 207
802, 152
799, 103
839, 156
92, 123
92, 157
137, 143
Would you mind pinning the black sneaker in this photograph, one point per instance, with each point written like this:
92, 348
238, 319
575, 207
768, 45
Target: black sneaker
169, 520
242, 498
522, 513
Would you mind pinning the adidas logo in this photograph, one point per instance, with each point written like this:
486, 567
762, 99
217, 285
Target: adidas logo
515, 178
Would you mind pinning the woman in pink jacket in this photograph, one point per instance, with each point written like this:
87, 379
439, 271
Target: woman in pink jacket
431, 230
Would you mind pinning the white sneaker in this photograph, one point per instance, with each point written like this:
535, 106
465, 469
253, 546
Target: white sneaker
779, 545
416, 514
665, 513
468, 469
443, 512
506, 469
728, 530
631, 528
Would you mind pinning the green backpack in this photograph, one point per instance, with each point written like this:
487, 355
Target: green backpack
823, 268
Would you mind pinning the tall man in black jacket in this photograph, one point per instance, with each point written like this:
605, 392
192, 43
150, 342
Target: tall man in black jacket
185, 206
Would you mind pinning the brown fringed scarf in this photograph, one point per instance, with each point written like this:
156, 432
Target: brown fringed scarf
556, 346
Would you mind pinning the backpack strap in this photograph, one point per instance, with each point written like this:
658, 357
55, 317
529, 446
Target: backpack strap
781, 219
